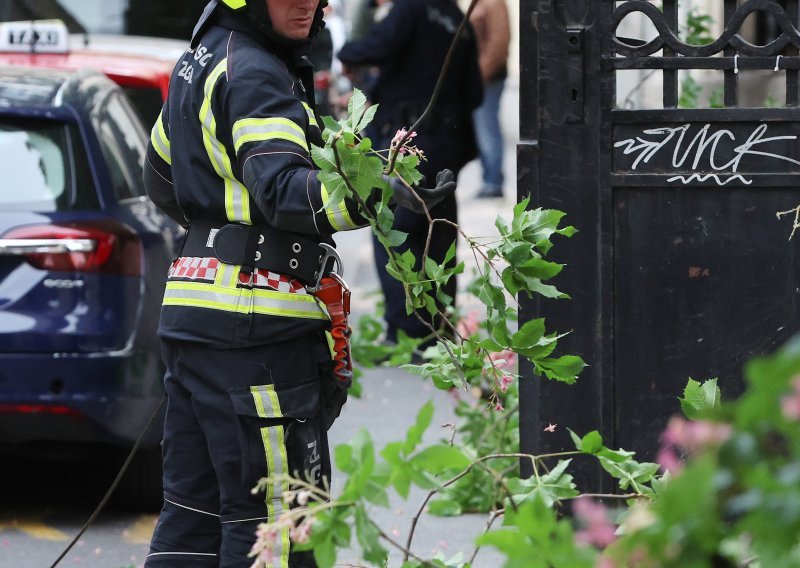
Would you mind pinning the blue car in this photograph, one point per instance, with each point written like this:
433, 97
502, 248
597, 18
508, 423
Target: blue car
83, 255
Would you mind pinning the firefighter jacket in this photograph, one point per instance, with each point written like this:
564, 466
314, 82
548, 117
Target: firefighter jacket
232, 144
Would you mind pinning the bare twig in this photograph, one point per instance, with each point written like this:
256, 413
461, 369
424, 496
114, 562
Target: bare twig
492, 518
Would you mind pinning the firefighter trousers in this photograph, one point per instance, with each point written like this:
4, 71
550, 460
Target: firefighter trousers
235, 416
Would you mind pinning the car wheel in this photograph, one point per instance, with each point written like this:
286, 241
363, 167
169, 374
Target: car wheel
141, 487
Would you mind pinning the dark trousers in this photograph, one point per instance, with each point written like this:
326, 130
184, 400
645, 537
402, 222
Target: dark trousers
235, 416
442, 238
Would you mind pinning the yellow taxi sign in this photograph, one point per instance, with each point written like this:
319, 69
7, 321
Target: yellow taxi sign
38, 36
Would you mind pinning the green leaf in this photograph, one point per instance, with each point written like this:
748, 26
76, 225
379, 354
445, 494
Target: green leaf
632, 474
591, 443
323, 158
698, 399
325, 553
330, 123
529, 334
406, 168
355, 107
369, 538
415, 433
440, 457
343, 454
366, 118
445, 507
565, 368
550, 487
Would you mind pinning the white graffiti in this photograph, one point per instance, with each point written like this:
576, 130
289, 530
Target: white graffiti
701, 152
705, 177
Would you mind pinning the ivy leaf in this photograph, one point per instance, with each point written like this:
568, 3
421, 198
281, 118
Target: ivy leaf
591, 443
550, 487
631, 474
698, 399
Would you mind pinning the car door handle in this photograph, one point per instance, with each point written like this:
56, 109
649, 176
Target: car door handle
45, 246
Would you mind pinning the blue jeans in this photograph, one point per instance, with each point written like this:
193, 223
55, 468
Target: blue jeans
490, 138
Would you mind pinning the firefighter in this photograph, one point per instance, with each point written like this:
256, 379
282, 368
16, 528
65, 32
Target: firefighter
251, 384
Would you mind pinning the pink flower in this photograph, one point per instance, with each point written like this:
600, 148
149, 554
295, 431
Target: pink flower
550, 428
499, 407
505, 382
689, 437
669, 460
695, 435
790, 404
302, 532
469, 324
505, 360
598, 530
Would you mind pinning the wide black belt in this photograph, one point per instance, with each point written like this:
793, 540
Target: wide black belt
253, 247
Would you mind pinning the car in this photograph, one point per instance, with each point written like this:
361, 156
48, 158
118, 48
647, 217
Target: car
141, 66
83, 254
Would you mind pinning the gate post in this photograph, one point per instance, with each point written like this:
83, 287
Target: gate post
564, 104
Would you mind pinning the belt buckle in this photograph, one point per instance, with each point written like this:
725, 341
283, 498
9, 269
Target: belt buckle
328, 253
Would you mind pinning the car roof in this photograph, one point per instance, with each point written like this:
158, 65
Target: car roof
125, 69
164, 49
37, 87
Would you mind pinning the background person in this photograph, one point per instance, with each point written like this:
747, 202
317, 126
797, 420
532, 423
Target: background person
490, 20
409, 46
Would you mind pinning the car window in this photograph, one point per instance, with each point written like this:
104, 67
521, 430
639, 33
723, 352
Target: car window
43, 168
147, 101
123, 143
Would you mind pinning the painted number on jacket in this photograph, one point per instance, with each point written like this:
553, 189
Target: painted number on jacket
186, 71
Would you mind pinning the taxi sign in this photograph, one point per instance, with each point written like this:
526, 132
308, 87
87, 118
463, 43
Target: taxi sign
34, 36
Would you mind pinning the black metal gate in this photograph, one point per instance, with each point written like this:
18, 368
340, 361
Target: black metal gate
682, 266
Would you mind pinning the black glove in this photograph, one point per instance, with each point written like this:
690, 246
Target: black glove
408, 198
334, 395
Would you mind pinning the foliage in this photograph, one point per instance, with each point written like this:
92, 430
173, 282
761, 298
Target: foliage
725, 490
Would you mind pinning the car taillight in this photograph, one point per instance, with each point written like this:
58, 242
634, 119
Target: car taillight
103, 246
54, 410
322, 80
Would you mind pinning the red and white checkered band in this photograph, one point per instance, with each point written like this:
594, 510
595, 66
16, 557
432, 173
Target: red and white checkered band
267, 279
194, 268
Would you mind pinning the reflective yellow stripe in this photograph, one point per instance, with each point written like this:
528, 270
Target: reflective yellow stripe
338, 215
237, 200
262, 129
312, 120
272, 438
242, 300
160, 141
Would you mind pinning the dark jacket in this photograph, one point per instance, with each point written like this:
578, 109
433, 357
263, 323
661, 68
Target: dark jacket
409, 46
232, 144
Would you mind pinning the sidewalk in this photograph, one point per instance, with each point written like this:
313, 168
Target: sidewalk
392, 397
